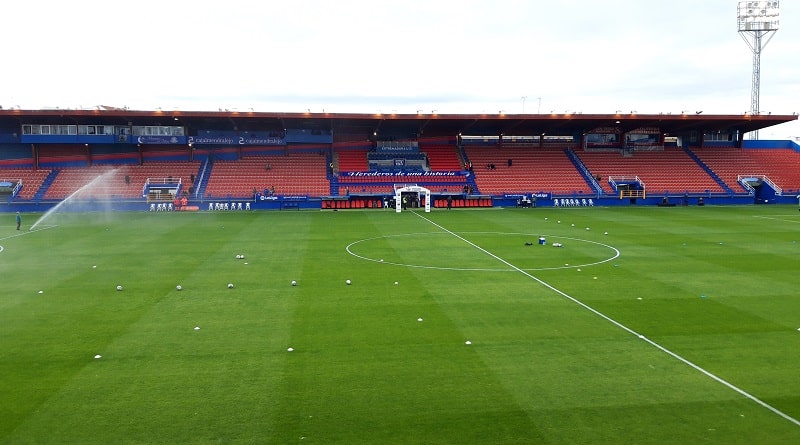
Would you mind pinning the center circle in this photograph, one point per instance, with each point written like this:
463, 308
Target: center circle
482, 251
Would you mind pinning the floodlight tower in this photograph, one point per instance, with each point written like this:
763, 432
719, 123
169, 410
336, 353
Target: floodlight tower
757, 20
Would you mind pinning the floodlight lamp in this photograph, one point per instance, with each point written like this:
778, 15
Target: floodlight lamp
758, 15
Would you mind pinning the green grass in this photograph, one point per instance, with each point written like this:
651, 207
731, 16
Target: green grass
716, 286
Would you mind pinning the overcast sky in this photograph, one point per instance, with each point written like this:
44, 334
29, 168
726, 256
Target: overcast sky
460, 56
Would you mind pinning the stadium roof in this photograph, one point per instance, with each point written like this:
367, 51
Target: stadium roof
403, 125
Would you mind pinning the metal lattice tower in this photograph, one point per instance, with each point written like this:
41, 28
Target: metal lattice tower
757, 20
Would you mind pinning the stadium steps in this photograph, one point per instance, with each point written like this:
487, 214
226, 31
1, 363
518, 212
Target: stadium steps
669, 171
202, 177
584, 171
728, 163
708, 170
48, 181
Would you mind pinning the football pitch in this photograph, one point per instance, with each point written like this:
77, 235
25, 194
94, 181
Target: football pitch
647, 326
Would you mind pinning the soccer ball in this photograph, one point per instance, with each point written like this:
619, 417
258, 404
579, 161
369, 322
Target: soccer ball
294, 283
230, 285
347, 282
238, 257
119, 287
178, 287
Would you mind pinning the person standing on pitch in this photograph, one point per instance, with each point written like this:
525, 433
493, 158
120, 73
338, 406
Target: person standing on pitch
19, 220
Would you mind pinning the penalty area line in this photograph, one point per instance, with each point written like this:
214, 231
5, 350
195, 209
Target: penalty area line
624, 328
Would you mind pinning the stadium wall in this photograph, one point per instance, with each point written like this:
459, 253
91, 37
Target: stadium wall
771, 144
288, 203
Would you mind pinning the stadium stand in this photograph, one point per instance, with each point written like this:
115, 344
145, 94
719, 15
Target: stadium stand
782, 166
546, 170
295, 174
326, 156
31, 180
443, 157
667, 171
728, 163
352, 160
385, 184
70, 179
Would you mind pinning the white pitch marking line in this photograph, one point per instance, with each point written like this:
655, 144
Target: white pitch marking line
26, 232
470, 269
778, 219
624, 328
